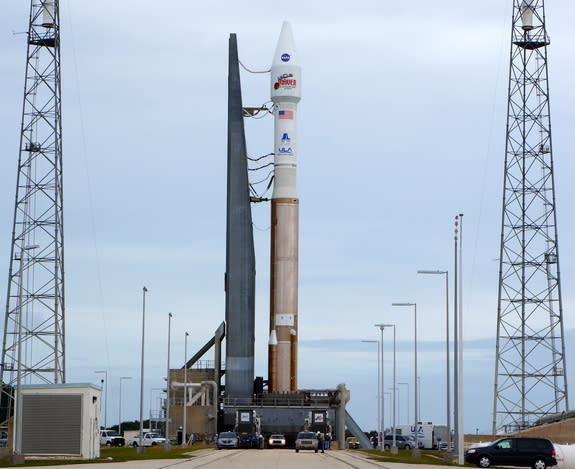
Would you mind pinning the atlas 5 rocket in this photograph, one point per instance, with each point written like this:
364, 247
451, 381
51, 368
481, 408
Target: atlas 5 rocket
285, 94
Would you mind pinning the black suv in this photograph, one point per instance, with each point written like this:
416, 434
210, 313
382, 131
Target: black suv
535, 452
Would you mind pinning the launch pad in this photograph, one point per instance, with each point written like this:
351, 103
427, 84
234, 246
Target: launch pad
314, 410
253, 406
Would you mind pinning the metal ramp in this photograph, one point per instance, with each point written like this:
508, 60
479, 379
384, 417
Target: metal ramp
354, 429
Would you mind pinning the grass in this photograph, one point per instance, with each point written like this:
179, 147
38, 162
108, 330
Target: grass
152, 452
404, 456
108, 455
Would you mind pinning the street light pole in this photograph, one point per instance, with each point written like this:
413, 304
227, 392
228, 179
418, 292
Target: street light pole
105, 373
382, 395
393, 423
394, 443
447, 370
184, 436
378, 381
406, 384
140, 448
167, 426
459, 341
399, 406
388, 394
419, 395
415, 453
120, 409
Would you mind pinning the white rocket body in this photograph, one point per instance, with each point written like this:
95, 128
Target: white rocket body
285, 94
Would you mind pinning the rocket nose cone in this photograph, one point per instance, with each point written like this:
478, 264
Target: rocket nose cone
285, 50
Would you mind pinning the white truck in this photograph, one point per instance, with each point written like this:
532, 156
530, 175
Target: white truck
150, 439
429, 436
111, 438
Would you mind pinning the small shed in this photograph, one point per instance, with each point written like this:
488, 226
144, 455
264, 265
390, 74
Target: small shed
58, 420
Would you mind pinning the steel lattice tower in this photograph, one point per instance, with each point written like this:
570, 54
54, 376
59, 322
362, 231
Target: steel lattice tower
33, 342
530, 380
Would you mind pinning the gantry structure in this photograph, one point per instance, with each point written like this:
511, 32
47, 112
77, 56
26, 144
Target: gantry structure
33, 349
530, 376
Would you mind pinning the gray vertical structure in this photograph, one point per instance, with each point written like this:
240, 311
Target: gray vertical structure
33, 349
240, 257
530, 376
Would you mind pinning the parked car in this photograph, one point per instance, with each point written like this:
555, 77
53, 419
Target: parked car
352, 442
306, 440
227, 440
401, 441
276, 440
150, 439
537, 453
111, 438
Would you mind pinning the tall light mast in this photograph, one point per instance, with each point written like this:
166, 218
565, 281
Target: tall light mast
33, 349
530, 376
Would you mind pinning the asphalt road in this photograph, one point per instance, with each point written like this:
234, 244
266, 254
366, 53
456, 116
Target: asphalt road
268, 459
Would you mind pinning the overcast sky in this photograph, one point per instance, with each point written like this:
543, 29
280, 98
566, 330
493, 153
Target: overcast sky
401, 127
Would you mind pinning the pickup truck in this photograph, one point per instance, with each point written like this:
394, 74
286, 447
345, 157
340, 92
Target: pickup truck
150, 439
111, 438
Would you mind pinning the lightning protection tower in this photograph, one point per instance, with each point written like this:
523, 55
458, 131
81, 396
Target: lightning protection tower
530, 380
33, 342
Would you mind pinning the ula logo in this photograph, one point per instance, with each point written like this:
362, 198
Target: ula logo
285, 138
286, 57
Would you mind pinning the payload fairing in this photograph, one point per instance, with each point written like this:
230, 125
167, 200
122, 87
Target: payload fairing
285, 94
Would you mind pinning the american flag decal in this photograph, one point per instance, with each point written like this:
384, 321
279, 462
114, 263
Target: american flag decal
285, 114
